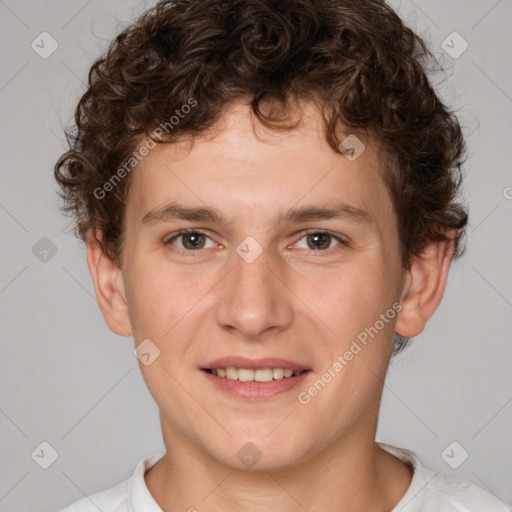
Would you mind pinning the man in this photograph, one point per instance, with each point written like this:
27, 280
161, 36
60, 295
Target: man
268, 195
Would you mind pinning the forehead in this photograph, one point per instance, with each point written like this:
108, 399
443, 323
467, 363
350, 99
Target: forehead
250, 172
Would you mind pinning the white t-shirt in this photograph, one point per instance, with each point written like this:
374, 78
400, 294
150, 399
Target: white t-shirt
429, 491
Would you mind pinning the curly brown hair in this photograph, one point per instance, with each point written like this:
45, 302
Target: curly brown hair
366, 68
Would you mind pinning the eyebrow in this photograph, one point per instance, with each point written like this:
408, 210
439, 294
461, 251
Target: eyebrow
173, 211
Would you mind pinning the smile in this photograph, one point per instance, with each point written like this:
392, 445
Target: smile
258, 375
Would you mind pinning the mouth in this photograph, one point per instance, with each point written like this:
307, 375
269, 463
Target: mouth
251, 375
255, 379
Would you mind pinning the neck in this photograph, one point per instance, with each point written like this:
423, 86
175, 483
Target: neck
352, 474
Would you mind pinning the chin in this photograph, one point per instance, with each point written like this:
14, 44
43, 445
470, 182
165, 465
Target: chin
260, 451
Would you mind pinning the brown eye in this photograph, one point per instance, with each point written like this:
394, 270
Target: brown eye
191, 240
320, 240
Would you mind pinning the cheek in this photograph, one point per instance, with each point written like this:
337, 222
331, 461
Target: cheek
152, 301
351, 301
159, 296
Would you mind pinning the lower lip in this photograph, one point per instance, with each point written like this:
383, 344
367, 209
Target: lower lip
256, 390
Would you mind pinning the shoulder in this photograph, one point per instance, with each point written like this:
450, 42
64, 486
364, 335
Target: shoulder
449, 494
124, 496
431, 491
110, 500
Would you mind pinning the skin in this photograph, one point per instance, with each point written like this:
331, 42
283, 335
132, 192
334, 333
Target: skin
292, 302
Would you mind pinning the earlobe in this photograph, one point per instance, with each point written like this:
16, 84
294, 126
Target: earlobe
424, 285
109, 288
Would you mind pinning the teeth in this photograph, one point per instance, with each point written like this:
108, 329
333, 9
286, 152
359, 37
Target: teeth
245, 375
263, 375
232, 373
278, 373
259, 375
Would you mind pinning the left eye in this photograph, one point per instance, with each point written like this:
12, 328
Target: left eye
320, 240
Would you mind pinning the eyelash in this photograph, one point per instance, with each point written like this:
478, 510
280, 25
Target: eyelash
341, 244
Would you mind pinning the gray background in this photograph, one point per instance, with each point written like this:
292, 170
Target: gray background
67, 380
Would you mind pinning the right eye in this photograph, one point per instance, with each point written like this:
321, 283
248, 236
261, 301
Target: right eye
192, 240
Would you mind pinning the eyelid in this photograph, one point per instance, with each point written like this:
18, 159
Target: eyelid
184, 232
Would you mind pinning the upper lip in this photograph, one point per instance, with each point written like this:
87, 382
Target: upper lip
254, 364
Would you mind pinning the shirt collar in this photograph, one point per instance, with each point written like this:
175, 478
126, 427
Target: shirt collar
139, 497
411, 500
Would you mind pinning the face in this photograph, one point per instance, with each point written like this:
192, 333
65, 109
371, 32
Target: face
264, 280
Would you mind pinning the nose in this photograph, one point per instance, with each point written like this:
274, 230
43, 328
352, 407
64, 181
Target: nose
254, 301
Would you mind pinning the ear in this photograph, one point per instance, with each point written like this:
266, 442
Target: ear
109, 288
425, 282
